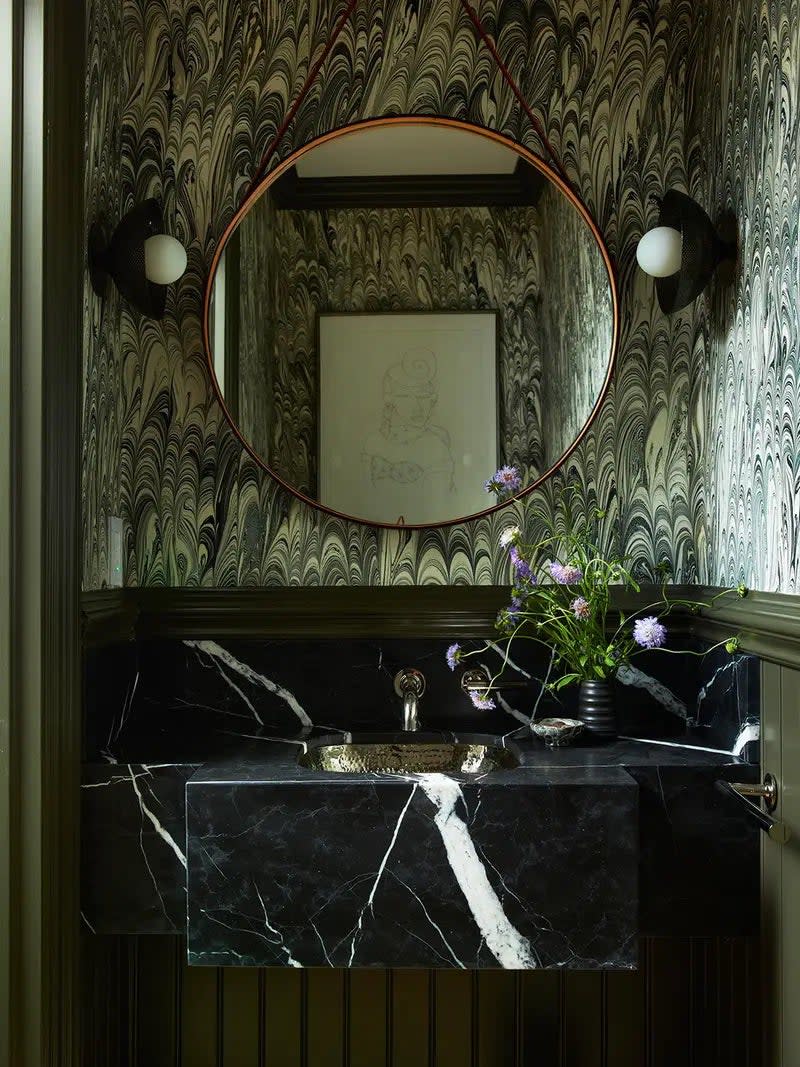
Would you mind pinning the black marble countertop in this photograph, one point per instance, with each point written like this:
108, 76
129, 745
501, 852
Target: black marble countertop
277, 760
195, 808
696, 851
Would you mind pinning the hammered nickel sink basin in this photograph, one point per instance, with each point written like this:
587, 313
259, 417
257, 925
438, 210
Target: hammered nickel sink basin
415, 754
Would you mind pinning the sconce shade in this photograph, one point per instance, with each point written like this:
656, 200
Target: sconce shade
702, 249
659, 252
164, 259
140, 273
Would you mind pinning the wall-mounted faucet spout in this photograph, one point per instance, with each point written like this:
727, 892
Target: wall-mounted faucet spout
409, 684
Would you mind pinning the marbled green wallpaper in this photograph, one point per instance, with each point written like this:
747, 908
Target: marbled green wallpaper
744, 150
182, 97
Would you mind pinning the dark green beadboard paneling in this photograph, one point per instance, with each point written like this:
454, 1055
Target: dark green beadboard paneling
325, 1019
692, 1003
369, 998
285, 999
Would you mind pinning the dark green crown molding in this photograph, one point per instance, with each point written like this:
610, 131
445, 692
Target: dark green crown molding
301, 611
768, 623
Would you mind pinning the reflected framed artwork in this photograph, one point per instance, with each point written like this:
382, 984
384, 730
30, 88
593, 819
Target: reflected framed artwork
408, 428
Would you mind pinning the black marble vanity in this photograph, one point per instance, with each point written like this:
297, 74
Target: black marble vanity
199, 817
530, 867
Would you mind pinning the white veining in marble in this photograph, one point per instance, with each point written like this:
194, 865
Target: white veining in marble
248, 931
507, 660
632, 676
117, 725
159, 829
378, 876
282, 944
676, 744
83, 916
431, 920
527, 719
750, 731
729, 668
507, 945
221, 656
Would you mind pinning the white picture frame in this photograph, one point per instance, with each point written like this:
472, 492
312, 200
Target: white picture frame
407, 420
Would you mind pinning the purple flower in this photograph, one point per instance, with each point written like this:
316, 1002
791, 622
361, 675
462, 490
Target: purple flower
580, 608
565, 574
481, 702
649, 632
504, 480
453, 656
521, 566
512, 615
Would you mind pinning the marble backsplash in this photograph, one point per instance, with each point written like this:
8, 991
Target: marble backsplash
193, 700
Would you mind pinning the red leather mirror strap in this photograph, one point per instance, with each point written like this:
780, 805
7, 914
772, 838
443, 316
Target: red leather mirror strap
312, 74
487, 40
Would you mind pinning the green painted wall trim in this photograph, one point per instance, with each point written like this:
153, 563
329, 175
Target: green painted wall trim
768, 624
41, 280
341, 611
9, 139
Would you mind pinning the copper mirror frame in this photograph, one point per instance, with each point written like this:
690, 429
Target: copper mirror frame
554, 174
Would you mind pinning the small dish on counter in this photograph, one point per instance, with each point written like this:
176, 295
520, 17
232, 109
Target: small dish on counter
556, 733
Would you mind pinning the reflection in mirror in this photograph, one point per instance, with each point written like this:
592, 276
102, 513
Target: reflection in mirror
402, 309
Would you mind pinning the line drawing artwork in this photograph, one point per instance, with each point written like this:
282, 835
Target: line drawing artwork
409, 446
407, 413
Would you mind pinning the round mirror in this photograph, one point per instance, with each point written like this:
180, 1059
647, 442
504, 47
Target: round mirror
402, 308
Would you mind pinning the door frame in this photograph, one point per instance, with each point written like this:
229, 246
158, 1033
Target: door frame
42, 44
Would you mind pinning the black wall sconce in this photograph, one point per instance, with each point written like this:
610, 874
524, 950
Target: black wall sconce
140, 258
683, 250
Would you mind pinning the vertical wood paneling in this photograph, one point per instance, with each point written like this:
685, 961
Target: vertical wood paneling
772, 866
284, 1017
753, 990
108, 982
325, 1015
158, 1010
411, 1018
240, 1017
539, 1018
582, 1021
790, 865
669, 1025
367, 1000
703, 974
734, 1002
496, 1009
454, 993
626, 1015
692, 1003
200, 988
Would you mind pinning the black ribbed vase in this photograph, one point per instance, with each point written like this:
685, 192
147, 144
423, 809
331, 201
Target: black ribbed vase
596, 709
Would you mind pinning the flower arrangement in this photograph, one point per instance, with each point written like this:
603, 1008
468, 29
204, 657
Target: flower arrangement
561, 598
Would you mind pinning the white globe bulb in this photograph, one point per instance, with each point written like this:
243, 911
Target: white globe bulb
164, 259
659, 252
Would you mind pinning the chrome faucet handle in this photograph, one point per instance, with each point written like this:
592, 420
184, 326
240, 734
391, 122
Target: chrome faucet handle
409, 684
476, 680
409, 678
